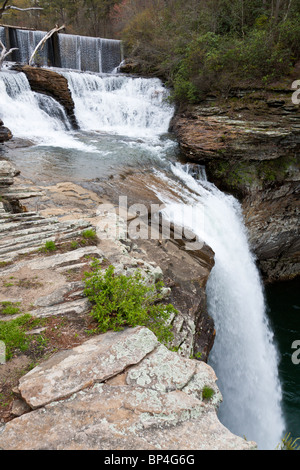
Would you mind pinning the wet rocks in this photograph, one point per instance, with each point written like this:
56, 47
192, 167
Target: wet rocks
114, 392
50, 83
5, 133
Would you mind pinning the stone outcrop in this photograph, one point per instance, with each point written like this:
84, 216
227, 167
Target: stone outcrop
121, 391
5, 133
250, 145
50, 83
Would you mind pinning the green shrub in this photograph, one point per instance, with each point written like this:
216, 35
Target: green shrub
49, 246
207, 393
89, 234
12, 333
289, 443
9, 308
120, 301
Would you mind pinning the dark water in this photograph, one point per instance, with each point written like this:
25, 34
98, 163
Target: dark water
284, 313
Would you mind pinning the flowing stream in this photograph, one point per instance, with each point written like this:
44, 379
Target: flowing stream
124, 122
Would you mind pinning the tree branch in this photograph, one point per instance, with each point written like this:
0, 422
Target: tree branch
5, 53
44, 40
4, 10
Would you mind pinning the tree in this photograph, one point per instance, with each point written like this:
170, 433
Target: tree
5, 53
6, 7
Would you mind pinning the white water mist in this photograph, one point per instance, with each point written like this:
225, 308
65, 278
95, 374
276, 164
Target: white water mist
133, 107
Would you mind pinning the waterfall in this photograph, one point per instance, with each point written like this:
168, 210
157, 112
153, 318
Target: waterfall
33, 116
2, 34
75, 52
244, 356
135, 107
135, 112
89, 54
26, 42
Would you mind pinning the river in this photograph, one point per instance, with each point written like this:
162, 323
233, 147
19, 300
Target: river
124, 123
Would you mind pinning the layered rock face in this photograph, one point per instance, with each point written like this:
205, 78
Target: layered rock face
250, 145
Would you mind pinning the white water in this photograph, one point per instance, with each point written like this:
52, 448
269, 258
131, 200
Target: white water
133, 107
89, 54
74, 52
244, 356
32, 116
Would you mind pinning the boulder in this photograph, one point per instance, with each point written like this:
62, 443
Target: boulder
121, 390
50, 83
5, 133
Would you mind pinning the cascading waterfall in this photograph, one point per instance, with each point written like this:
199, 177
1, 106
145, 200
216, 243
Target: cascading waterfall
135, 107
26, 42
89, 54
71, 51
2, 34
32, 116
244, 356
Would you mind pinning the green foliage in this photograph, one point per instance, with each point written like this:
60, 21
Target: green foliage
203, 47
120, 301
289, 443
9, 308
12, 333
49, 247
89, 234
207, 393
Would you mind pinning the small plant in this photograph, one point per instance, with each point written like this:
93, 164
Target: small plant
9, 308
49, 246
89, 234
12, 333
207, 393
198, 356
120, 301
289, 443
74, 245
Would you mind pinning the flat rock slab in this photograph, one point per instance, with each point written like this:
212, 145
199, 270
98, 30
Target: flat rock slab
118, 391
96, 360
121, 418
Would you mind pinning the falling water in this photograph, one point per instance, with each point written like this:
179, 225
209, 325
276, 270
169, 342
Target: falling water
244, 356
71, 52
89, 54
33, 116
119, 104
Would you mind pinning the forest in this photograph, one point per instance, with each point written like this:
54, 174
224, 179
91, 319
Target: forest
195, 46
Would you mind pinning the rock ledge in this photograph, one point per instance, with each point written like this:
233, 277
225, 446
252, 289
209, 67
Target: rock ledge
121, 390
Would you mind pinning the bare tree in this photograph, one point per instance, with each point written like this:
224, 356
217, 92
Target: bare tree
6, 8
44, 40
5, 53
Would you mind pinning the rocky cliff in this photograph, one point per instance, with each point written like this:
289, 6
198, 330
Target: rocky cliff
250, 145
